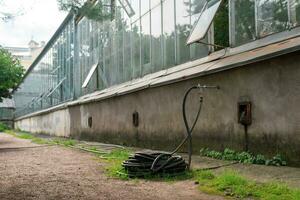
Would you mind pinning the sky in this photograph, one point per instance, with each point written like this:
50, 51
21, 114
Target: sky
36, 19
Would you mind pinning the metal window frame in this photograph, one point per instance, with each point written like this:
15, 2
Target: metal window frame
56, 87
89, 76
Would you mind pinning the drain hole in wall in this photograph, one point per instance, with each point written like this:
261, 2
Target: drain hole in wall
135, 119
90, 122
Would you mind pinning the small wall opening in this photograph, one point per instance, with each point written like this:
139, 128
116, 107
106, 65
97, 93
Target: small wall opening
244, 113
90, 122
135, 119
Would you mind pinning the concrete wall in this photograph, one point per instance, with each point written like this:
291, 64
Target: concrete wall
273, 87
54, 123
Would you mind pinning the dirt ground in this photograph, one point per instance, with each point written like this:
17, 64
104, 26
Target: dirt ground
30, 171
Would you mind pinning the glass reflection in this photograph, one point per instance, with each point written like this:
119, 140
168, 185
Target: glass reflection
295, 12
183, 27
168, 33
272, 16
156, 39
243, 21
136, 55
145, 6
145, 42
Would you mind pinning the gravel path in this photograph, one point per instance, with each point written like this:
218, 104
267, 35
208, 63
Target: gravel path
52, 172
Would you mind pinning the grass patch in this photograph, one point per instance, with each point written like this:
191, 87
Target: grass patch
63, 142
114, 161
21, 135
39, 140
3, 127
28, 136
230, 183
25, 136
186, 175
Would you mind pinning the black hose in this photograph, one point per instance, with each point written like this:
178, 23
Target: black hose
142, 164
188, 129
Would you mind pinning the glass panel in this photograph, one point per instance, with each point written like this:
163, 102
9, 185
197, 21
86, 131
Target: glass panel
135, 4
99, 72
154, 3
127, 48
243, 21
127, 7
272, 16
196, 6
169, 33
221, 27
120, 43
136, 48
107, 44
145, 6
156, 39
198, 50
295, 12
49, 82
114, 73
145, 39
183, 27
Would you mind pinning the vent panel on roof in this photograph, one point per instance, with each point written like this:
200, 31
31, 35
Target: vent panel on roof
204, 21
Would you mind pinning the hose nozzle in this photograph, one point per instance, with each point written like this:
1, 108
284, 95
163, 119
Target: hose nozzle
208, 86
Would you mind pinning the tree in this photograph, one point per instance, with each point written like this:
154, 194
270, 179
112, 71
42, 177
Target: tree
221, 25
11, 73
91, 9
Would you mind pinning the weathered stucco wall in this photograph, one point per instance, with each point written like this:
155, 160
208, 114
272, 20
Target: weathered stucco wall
54, 123
273, 87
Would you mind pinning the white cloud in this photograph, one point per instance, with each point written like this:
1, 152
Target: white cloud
39, 21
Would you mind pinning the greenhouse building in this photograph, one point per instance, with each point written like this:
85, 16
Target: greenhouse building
122, 80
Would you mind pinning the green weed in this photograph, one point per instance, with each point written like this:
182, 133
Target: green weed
63, 142
3, 127
230, 183
114, 161
243, 157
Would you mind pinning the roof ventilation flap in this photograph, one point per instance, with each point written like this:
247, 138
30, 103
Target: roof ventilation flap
204, 21
127, 7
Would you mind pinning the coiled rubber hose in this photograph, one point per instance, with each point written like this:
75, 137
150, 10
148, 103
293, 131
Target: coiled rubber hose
147, 163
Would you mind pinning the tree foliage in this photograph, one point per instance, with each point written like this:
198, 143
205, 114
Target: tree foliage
96, 11
11, 73
221, 25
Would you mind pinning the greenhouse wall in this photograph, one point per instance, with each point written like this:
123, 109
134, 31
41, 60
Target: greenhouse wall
272, 86
93, 76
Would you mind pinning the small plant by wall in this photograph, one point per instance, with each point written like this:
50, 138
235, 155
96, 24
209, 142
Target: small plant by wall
3, 127
244, 157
